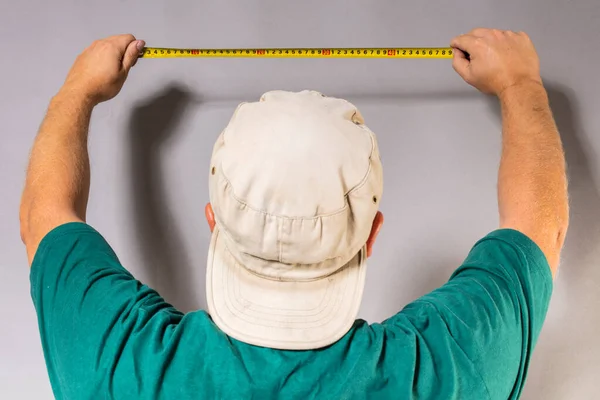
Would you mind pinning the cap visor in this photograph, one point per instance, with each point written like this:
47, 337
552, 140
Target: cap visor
281, 314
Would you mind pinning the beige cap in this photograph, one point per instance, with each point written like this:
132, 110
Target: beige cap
295, 183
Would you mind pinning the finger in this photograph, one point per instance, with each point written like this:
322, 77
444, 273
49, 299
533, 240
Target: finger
466, 43
132, 53
480, 32
460, 63
121, 42
524, 35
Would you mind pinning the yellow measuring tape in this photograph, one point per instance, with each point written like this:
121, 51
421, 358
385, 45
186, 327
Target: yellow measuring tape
326, 52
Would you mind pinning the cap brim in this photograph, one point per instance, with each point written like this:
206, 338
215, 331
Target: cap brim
281, 314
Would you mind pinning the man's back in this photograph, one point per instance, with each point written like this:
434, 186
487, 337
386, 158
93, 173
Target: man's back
104, 332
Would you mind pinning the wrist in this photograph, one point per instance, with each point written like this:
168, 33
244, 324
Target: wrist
75, 97
524, 86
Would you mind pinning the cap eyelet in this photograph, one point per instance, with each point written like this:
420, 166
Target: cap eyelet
374, 199
213, 170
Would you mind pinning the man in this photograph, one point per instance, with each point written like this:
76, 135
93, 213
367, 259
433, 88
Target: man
295, 183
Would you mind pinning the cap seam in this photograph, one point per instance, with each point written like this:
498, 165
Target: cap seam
242, 202
319, 306
234, 292
281, 342
365, 178
361, 183
224, 231
229, 303
279, 234
340, 269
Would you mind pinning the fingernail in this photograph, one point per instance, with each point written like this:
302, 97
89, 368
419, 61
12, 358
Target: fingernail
140, 45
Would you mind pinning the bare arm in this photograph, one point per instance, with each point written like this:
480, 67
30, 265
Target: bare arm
532, 183
58, 177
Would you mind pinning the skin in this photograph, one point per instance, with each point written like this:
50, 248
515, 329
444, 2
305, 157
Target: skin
58, 176
532, 182
532, 187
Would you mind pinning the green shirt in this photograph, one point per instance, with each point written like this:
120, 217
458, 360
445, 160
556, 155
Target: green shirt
105, 335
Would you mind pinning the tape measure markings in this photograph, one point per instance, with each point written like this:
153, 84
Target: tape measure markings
398, 52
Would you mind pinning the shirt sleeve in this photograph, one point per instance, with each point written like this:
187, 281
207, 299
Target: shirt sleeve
485, 321
89, 307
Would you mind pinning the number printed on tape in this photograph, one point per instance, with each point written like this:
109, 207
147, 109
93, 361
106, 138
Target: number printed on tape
398, 52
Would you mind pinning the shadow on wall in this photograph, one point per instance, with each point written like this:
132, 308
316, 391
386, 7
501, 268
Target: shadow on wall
584, 197
162, 250
579, 260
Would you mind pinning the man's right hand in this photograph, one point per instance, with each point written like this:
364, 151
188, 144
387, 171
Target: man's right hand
100, 71
497, 59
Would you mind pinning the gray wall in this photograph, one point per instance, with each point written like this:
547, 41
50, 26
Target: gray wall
439, 141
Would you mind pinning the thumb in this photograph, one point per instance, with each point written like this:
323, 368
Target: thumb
461, 63
132, 53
